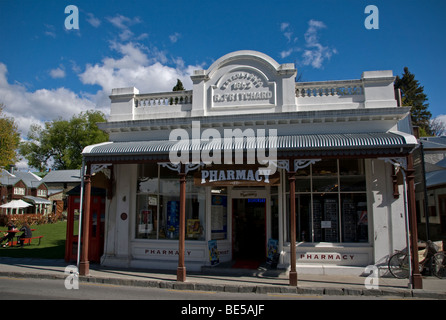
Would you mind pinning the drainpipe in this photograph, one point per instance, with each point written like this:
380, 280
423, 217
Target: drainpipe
417, 280
426, 206
81, 211
406, 218
84, 265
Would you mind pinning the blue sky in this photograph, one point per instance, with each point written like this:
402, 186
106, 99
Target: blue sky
47, 71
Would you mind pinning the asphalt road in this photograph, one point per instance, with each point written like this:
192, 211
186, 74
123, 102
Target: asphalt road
12, 288
173, 304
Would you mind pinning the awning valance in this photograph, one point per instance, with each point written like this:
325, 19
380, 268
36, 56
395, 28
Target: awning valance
305, 145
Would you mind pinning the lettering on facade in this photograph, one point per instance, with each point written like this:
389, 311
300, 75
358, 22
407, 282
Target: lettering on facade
243, 96
241, 87
165, 252
326, 256
225, 177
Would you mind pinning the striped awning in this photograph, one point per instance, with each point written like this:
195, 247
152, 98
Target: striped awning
377, 144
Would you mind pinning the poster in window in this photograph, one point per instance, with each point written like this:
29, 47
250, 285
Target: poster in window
193, 228
219, 217
173, 222
214, 257
272, 250
145, 222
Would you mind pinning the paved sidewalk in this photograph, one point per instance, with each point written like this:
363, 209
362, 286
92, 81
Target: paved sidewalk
229, 280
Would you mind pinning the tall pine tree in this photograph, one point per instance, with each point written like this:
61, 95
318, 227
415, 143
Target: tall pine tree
412, 95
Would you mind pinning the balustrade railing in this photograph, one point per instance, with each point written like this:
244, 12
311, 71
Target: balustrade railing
329, 88
163, 99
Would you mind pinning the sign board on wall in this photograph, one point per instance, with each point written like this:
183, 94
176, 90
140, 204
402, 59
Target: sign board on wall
233, 176
243, 87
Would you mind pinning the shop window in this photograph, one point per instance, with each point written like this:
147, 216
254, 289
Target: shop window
274, 213
219, 213
331, 202
158, 205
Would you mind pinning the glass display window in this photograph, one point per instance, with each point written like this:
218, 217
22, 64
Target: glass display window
331, 202
158, 205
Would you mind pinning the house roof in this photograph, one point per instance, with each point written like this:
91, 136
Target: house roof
62, 176
434, 142
29, 179
435, 178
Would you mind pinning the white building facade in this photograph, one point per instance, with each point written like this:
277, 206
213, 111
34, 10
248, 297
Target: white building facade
330, 145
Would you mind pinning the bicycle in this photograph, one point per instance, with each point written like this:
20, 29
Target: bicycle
433, 260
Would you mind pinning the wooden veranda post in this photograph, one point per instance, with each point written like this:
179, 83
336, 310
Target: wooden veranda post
293, 271
181, 270
84, 265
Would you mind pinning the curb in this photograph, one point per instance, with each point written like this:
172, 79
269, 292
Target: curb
258, 289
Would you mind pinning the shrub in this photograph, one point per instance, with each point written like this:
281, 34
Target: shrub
20, 219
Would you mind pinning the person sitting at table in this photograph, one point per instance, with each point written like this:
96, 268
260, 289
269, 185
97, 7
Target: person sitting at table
9, 236
26, 233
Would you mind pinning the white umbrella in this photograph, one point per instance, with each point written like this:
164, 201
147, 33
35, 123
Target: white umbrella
15, 204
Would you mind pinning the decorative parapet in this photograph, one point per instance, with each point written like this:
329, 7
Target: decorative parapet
374, 90
329, 88
163, 104
163, 99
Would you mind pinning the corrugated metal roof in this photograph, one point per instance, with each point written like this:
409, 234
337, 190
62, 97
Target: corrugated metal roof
62, 176
310, 142
435, 178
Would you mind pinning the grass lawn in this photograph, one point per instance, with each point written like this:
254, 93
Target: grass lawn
52, 245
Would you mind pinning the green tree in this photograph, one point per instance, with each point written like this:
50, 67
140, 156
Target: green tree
60, 143
412, 94
9, 140
179, 86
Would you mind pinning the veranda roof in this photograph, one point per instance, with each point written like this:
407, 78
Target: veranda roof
303, 145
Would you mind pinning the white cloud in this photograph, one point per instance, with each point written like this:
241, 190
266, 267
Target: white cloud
313, 52
137, 66
287, 32
287, 53
91, 19
316, 53
124, 23
284, 26
36, 107
175, 37
129, 64
57, 73
50, 31
442, 118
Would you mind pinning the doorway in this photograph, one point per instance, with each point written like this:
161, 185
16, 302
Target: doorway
249, 230
97, 225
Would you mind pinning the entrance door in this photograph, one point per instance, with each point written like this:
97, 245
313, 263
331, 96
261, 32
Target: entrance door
442, 203
97, 219
249, 229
